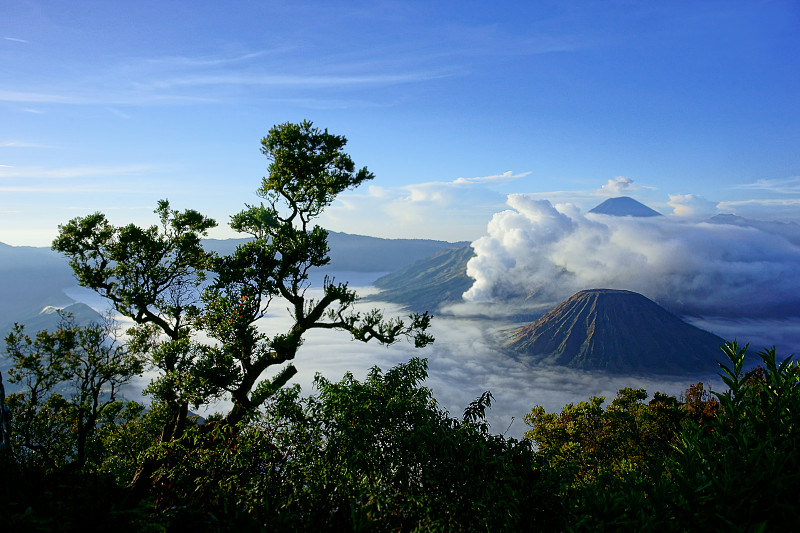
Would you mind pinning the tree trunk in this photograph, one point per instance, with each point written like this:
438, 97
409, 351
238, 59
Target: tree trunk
5, 423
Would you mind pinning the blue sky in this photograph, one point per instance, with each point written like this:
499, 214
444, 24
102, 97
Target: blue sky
691, 107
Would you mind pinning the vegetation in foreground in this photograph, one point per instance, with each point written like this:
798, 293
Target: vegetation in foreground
381, 455
377, 455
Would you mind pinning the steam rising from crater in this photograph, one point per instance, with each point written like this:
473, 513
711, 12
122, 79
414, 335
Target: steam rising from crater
537, 253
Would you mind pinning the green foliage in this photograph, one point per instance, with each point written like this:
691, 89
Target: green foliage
71, 380
435, 280
590, 445
308, 169
376, 455
157, 276
724, 464
744, 474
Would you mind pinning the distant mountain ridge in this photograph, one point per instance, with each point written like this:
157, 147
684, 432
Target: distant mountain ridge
624, 206
428, 283
359, 253
33, 278
617, 331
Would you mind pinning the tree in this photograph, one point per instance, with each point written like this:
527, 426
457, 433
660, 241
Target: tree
372, 455
70, 378
155, 276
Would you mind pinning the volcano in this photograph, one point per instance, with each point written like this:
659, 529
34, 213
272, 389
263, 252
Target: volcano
620, 332
624, 206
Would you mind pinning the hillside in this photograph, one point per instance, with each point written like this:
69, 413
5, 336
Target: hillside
617, 331
428, 283
31, 279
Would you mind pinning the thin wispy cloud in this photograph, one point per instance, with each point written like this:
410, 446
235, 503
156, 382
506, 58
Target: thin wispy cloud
73, 172
41, 98
14, 39
201, 62
110, 208
187, 80
71, 189
87, 95
23, 144
783, 186
505, 177
298, 80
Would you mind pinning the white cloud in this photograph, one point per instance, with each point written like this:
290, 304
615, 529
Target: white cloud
505, 177
766, 209
14, 39
540, 253
448, 210
617, 187
691, 206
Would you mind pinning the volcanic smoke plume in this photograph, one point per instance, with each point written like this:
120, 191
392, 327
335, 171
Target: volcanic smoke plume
538, 253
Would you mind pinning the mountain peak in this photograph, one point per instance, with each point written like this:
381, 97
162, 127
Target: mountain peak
624, 206
617, 331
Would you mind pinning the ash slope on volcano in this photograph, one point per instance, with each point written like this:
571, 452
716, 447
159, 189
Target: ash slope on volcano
617, 331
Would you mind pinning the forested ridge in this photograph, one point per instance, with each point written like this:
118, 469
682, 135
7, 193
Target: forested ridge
374, 455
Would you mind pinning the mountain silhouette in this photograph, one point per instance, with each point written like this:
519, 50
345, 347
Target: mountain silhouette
617, 331
624, 206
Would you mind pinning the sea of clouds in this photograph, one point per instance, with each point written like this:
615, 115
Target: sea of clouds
464, 361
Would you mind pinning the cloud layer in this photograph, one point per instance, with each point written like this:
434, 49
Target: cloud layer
537, 253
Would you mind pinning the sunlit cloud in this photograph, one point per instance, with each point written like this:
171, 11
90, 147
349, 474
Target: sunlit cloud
617, 187
692, 206
535, 252
449, 210
505, 177
14, 39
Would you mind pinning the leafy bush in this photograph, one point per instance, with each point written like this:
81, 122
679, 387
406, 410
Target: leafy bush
377, 455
